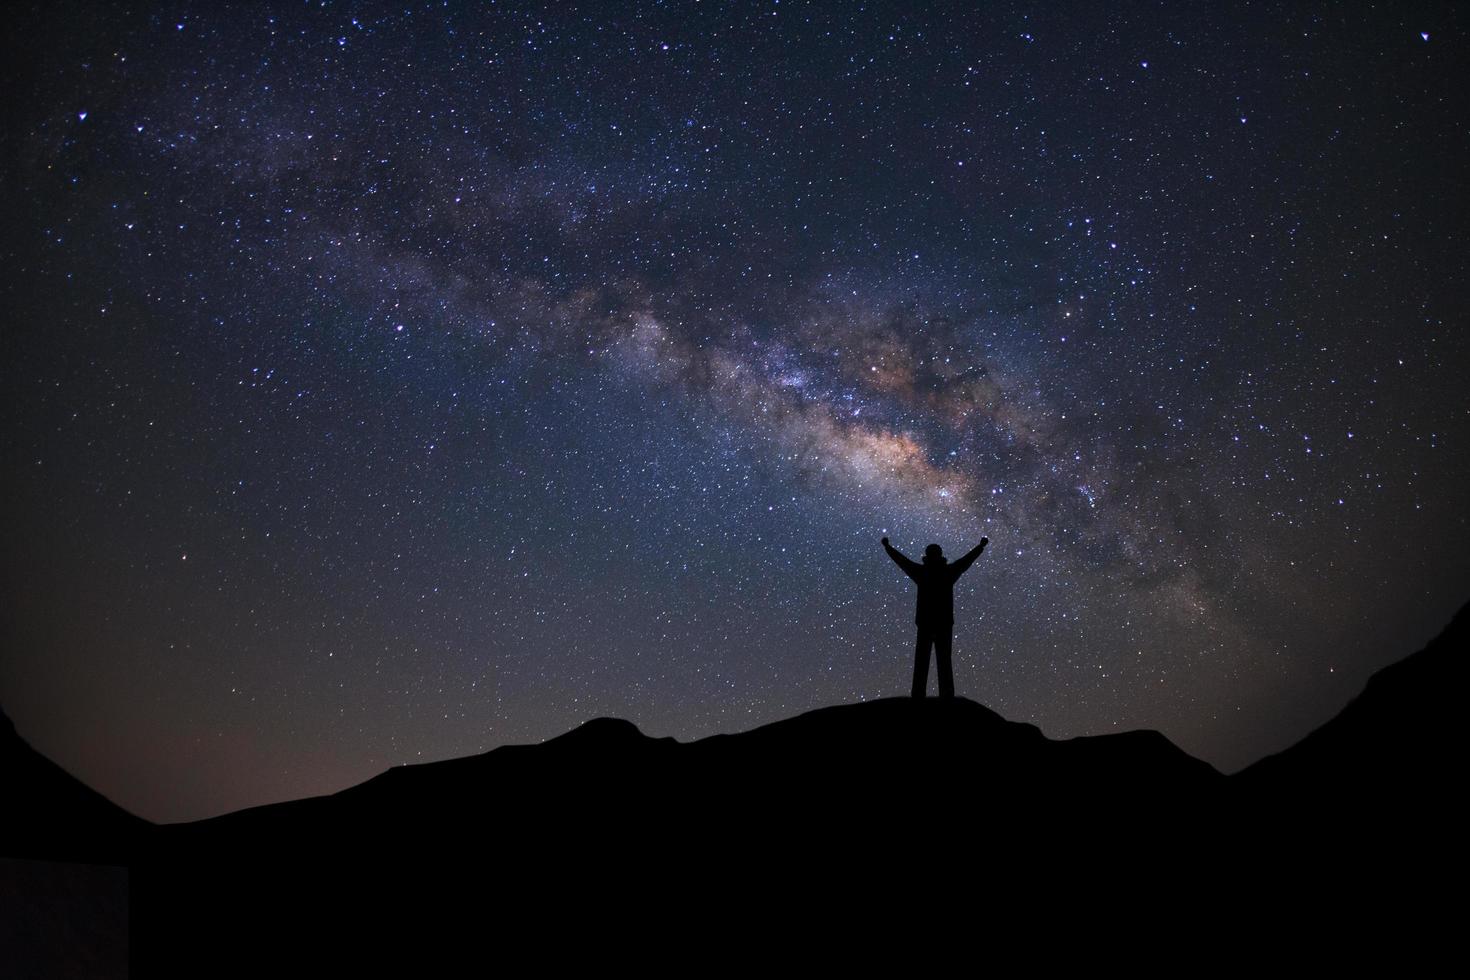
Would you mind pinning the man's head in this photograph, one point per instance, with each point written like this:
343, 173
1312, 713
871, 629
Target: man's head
934, 555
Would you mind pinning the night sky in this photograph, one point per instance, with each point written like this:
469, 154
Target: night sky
386, 384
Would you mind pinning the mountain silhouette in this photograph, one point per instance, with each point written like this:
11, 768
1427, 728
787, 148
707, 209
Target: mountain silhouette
50, 814
605, 827
1382, 770
879, 794
64, 909
848, 763
1399, 738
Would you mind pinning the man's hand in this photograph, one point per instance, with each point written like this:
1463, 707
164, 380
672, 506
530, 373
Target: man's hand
885, 540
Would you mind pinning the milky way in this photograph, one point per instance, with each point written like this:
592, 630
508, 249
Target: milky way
386, 384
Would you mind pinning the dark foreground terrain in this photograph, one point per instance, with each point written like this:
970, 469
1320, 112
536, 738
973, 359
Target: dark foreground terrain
889, 807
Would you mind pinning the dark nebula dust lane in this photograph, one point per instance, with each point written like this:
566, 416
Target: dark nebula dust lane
389, 383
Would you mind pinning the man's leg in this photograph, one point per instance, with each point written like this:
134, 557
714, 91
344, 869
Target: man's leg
921, 663
943, 643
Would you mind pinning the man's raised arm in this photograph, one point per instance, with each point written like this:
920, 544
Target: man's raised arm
968, 558
910, 568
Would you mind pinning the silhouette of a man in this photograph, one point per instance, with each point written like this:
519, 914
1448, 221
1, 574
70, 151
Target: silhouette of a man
934, 614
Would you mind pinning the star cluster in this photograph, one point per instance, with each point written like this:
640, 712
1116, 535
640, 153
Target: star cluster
388, 383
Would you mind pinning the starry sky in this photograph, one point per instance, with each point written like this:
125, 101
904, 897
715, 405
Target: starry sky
388, 383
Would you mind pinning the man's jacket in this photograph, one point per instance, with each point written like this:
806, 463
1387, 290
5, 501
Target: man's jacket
936, 584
